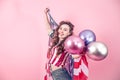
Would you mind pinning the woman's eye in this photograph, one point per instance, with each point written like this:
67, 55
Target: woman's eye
60, 28
65, 29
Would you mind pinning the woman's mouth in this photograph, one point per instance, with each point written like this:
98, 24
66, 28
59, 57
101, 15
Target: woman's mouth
61, 34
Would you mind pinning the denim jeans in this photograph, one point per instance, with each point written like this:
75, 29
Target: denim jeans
61, 74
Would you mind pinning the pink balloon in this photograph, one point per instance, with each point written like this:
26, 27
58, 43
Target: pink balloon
74, 45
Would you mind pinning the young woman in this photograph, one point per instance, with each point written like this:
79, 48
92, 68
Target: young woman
56, 53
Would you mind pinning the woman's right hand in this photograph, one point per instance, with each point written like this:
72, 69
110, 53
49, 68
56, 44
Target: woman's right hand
47, 10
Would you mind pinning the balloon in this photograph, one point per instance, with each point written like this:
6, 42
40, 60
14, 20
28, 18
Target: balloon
97, 51
88, 36
74, 45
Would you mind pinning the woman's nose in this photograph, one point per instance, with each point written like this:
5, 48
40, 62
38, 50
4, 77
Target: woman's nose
61, 31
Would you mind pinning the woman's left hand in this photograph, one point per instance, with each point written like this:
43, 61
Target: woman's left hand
76, 56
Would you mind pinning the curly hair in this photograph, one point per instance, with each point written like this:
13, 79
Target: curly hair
55, 38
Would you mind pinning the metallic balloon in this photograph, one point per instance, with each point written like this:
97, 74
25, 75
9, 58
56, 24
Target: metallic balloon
97, 51
88, 36
74, 45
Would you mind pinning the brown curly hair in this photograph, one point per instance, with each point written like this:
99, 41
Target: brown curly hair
55, 38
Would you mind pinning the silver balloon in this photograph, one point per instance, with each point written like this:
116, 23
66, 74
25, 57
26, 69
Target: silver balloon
97, 51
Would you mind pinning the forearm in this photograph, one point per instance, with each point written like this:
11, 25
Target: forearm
47, 22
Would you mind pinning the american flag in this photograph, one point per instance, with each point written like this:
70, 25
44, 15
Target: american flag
78, 71
80, 68
53, 26
54, 60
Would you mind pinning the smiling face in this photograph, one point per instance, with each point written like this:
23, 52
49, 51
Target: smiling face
63, 31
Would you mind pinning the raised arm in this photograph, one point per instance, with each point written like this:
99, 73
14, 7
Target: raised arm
47, 21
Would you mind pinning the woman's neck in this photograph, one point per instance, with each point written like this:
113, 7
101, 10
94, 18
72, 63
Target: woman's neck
61, 39
59, 42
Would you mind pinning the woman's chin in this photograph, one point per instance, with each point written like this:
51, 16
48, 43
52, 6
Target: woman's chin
61, 38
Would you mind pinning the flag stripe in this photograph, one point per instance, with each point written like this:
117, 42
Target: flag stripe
80, 71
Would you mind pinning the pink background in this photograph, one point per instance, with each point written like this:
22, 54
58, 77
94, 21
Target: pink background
23, 35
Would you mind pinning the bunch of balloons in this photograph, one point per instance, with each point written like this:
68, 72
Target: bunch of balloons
86, 43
